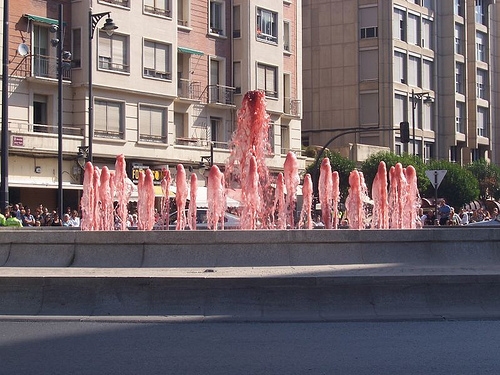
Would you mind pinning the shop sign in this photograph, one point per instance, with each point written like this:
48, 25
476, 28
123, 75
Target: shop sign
17, 141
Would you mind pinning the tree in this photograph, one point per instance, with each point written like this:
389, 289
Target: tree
458, 187
342, 165
488, 177
370, 167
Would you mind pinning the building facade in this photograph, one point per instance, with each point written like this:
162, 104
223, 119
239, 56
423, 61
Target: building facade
370, 63
167, 85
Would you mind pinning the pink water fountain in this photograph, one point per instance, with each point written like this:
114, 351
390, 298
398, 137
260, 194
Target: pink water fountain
266, 202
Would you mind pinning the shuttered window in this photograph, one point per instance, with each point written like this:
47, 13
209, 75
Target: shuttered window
152, 124
108, 119
368, 65
113, 54
266, 80
157, 60
159, 7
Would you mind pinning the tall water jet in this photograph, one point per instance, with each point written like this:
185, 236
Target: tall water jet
354, 201
397, 196
251, 139
145, 201
165, 198
307, 195
124, 187
181, 194
251, 197
325, 189
380, 218
292, 180
88, 196
192, 202
335, 199
96, 222
216, 194
279, 207
106, 214
412, 204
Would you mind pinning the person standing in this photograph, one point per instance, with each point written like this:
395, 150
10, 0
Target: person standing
74, 220
444, 213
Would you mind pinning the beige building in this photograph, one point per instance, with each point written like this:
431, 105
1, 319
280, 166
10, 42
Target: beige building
167, 85
370, 63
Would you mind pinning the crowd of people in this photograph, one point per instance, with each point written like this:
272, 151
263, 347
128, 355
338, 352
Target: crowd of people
446, 215
19, 215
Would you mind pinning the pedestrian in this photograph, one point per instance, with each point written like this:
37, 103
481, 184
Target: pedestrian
444, 212
74, 219
28, 219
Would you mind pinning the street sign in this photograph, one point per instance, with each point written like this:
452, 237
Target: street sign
436, 176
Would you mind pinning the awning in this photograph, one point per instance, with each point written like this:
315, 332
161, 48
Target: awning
190, 51
50, 21
41, 184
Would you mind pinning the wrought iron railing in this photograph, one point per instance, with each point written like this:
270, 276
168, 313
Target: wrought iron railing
123, 3
292, 106
24, 127
46, 66
188, 89
218, 94
158, 11
106, 63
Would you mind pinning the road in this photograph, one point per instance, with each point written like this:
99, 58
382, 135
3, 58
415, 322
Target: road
445, 347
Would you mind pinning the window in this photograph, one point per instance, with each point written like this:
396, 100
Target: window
236, 22
399, 67
108, 119
123, 3
460, 117
237, 77
459, 39
482, 122
426, 33
481, 40
429, 4
454, 157
217, 134
481, 84
368, 65
475, 154
157, 60
459, 78
285, 139
183, 12
267, 26
152, 124
180, 122
159, 7
480, 12
76, 48
286, 36
368, 109
413, 29
267, 80
428, 151
368, 22
400, 108
459, 8
40, 103
113, 52
217, 17
41, 51
414, 71
399, 24
428, 123
427, 75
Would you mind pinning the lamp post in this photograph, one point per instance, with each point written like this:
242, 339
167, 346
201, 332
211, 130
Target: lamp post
414, 97
109, 27
4, 179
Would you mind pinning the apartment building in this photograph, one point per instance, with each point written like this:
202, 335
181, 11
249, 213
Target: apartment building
166, 85
370, 63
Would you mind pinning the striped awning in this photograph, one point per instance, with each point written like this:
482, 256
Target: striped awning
190, 51
41, 19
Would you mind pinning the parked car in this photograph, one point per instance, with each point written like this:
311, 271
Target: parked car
230, 221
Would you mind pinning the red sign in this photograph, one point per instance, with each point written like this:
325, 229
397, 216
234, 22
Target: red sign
17, 141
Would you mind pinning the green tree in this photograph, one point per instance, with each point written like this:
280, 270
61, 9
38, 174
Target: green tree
340, 164
458, 187
488, 177
370, 167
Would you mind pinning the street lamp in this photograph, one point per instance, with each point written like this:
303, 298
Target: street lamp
4, 178
428, 100
109, 27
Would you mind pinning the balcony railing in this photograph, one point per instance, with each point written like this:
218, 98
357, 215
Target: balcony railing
292, 107
46, 66
123, 3
153, 138
158, 11
197, 142
188, 89
23, 127
219, 94
106, 63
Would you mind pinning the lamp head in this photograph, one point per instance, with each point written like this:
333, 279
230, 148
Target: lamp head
109, 26
428, 100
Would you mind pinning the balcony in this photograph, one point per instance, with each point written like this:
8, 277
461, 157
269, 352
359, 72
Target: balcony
292, 107
187, 89
46, 67
23, 127
123, 3
107, 64
219, 94
157, 11
199, 142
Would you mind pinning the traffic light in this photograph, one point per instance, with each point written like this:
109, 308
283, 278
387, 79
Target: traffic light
404, 131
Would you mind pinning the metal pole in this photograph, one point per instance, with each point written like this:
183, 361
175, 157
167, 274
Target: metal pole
413, 105
4, 183
60, 36
91, 101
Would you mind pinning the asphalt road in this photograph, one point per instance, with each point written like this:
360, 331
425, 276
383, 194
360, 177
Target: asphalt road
460, 347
